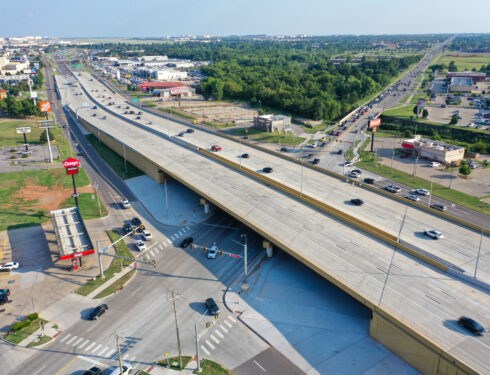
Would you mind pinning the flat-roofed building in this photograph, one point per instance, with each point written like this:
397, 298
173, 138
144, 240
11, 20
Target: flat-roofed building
272, 123
462, 84
434, 150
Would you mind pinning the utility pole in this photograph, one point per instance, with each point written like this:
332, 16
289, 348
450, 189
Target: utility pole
479, 250
245, 260
176, 329
119, 353
100, 260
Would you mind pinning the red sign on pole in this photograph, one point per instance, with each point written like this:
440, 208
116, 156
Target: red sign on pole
375, 122
45, 106
72, 170
70, 162
234, 256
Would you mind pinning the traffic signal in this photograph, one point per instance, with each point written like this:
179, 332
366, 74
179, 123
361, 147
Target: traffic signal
153, 262
208, 325
216, 317
205, 248
142, 227
133, 230
191, 246
221, 252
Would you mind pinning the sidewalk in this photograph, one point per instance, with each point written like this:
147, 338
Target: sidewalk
49, 330
188, 370
111, 281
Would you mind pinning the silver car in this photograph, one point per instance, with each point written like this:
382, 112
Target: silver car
435, 234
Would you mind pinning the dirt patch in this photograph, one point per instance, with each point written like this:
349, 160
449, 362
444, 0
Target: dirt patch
48, 198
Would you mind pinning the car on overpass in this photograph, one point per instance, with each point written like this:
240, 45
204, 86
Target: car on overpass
424, 192
357, 201
438, 206
267, 170
393, 188
435, 234
412, 197
216, 148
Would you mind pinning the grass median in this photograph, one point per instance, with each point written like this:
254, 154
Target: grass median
115, 286
22, 334
41, 341
115, 266
369, 163
271, 137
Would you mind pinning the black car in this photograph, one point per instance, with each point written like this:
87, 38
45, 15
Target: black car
190, 130
245, 156
284, 149
186, 242
358, 171
5, 292
357, 201
438, 206
181, 134
93, 371
315, 161
307, 156
98, 311
369, 180
136, 221
3, 299
213, 308
267, 169
127, 228
339, 152
471, 325
246, 137
94, 107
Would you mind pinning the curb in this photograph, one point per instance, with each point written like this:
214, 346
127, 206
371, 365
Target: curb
121, 287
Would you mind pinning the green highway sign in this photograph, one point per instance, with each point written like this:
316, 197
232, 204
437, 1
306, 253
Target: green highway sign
135, 100
77, 66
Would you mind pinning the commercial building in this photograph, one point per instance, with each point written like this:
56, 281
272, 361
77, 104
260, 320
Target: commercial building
475, 76
434, 150
272, 123
462, 84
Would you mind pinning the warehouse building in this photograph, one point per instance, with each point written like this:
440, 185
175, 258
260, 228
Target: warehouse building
475, 76
434, 150
462, 84
272, 123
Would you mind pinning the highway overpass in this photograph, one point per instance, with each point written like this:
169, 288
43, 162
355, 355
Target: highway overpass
414, 305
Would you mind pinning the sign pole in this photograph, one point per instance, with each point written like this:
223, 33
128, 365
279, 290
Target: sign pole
25, 142
75, 194
372, 141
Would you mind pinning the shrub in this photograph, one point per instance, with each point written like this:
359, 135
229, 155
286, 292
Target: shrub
33, 316
13, 157
19, 325
13, 150
25, 155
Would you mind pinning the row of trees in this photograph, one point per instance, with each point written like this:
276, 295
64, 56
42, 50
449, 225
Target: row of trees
19, 107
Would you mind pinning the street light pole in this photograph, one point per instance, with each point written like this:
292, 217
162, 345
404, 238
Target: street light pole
197, 349
245, 256
100, 260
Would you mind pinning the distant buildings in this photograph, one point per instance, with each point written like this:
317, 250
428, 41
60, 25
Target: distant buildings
465, 81
272, 123
475, 76
434, 150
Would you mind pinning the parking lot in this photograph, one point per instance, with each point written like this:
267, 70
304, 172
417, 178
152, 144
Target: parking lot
442, 113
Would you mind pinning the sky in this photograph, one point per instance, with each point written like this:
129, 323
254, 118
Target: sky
159, 18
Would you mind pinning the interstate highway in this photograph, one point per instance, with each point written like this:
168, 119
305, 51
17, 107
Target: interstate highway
460, 247
419, 296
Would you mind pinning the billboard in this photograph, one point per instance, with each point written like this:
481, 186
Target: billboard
179, 90
375, 123
45, 106
70, 162
127, 76
23, 130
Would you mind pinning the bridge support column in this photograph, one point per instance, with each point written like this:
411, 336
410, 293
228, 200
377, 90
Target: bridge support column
206, 205
268, 248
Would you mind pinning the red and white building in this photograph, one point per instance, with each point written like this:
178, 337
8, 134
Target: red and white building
434, 150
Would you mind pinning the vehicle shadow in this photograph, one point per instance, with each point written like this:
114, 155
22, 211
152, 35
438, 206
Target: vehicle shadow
84, 314
199, 307
454, 325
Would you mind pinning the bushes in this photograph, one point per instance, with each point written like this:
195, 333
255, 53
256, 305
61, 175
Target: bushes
33, 316
25, 323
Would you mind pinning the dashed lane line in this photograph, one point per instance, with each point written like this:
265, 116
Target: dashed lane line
210, 345
205, 350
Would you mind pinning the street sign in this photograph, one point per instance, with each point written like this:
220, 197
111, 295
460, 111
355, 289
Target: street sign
234, 256
135, 100
45, 106
23, 130
71, 162
77, 66
72, 170
127, 76
33, 94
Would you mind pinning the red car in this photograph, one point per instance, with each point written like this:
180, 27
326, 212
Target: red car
216, 148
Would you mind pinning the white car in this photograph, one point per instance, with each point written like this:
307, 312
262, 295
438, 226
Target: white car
435, 234
348, 164
314, 145
140, 245
212, 252
412, 197
435, 164
422, 192
146, 235
393, 188
9, 266
125, 203
354, 174
127, 369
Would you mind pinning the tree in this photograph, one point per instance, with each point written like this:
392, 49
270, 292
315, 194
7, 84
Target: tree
217, 86
464, 168
43, 137
454, 120
452, 67
425, 113
415, 110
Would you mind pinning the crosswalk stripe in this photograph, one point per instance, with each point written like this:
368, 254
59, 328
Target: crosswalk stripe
169, 242
172, 237
70, 340
96, 348
210, 345
151, 253
64, 338
103, 351
205, 350
179, 233
231, 318
228, 324
223, 329
113, 354
161, 246
88, 347
85, 343
78, 341
132, 359
214, 339
125, 356
219, 334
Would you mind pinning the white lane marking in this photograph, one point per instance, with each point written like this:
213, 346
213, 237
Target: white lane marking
88, 347
219, 334
64, 338
210, 345
263, 369
228, 324
103, 351
96, 348
78, 341
214, 339
179, 233
40, 369
223, 329
185, 229
85, 343
231, 318
151, 253
70, 340
172, 238
205, 350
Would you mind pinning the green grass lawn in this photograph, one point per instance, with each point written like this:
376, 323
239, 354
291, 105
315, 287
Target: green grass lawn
121, 250
42, 340
9, 136
113, 288
367, 162
177, 113
16, 337
175, 360
271, 137
406, 112
15, 210
212, 368
316, 128
113, 159
89, 207
467, 62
